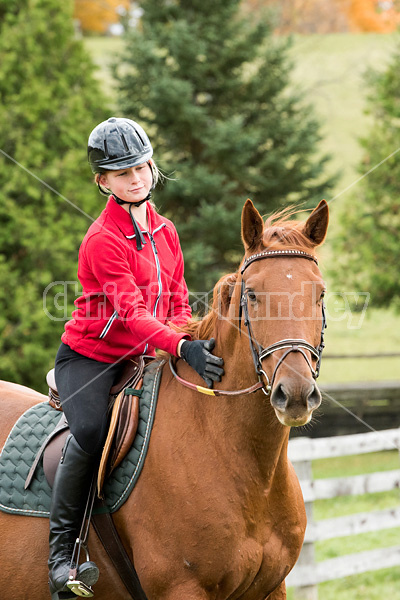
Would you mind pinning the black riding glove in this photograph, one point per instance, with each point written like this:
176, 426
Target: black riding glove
198, 355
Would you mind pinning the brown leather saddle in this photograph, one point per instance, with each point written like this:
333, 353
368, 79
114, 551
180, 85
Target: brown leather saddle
124, 418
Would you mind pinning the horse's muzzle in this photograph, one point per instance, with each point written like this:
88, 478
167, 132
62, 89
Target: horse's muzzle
294, 404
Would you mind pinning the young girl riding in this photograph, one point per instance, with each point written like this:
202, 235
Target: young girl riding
131, 271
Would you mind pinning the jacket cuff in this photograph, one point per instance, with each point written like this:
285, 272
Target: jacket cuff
181, 336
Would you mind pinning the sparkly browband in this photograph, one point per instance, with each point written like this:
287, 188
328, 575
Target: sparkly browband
275, 253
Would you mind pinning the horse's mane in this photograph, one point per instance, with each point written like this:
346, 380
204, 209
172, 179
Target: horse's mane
280, 231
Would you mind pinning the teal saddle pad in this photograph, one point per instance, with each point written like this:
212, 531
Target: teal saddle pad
32, 428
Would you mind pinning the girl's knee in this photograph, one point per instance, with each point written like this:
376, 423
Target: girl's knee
91, 437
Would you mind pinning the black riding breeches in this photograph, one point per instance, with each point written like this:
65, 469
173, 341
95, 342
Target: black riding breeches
84, 387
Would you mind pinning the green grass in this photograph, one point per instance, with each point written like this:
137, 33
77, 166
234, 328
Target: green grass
104, 51
379, 585
351, 505
353, 544
376, 585
330, 70
377, 332
347, 466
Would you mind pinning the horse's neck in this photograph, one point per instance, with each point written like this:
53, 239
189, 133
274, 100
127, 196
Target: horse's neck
248, 422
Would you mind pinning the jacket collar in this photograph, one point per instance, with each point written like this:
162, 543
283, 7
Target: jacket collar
123, 220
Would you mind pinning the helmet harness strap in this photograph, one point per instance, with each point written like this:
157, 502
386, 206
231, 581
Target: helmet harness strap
140, 241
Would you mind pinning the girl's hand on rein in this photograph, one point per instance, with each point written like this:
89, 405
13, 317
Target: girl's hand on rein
198, 355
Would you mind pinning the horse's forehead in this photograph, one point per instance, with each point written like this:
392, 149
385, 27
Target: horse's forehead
294, 269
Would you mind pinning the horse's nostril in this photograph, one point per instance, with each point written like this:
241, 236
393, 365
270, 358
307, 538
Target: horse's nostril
314, 398
284, 398
278, 398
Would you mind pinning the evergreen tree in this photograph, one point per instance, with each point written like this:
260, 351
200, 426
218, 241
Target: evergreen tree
49, 102
368, 246
212, 88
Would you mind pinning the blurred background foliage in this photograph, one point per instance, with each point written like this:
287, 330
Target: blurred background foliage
49, 99
211, 86
288, 16
370, 253
235, 108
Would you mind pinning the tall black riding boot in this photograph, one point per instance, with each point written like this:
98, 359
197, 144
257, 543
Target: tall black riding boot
69, 496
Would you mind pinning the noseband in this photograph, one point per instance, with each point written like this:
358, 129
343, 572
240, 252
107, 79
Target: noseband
290, 345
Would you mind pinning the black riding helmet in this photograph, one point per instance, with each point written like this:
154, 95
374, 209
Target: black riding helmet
118, 143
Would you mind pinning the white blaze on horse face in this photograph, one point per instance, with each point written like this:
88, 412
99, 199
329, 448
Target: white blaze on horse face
289, 276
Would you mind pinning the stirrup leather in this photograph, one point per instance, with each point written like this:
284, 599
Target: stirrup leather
79, 588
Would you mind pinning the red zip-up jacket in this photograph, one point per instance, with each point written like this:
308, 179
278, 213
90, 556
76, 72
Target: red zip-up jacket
129, 296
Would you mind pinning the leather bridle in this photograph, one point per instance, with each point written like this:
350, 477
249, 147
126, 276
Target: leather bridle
257, 351
291, 345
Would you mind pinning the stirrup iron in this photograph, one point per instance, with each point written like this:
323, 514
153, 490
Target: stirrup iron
80, 589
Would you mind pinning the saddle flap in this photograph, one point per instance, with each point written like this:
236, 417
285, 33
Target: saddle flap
132, 370
53, 455
121, 433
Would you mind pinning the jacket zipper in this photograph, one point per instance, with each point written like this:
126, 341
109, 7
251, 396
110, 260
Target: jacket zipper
155, 252
158, 267
108, 325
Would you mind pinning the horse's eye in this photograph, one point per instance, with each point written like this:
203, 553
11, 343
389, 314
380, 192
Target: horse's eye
251, 296
322, 296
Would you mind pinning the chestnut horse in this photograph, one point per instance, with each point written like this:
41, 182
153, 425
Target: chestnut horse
217, 512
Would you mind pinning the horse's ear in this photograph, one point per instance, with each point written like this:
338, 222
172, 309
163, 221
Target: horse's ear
252, 226
316, 226
226, 288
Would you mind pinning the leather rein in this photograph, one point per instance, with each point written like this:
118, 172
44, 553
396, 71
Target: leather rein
257, 351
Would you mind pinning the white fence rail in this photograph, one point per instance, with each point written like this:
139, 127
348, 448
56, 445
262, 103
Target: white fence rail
307, 573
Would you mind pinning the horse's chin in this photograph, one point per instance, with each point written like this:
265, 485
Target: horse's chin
293, 421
